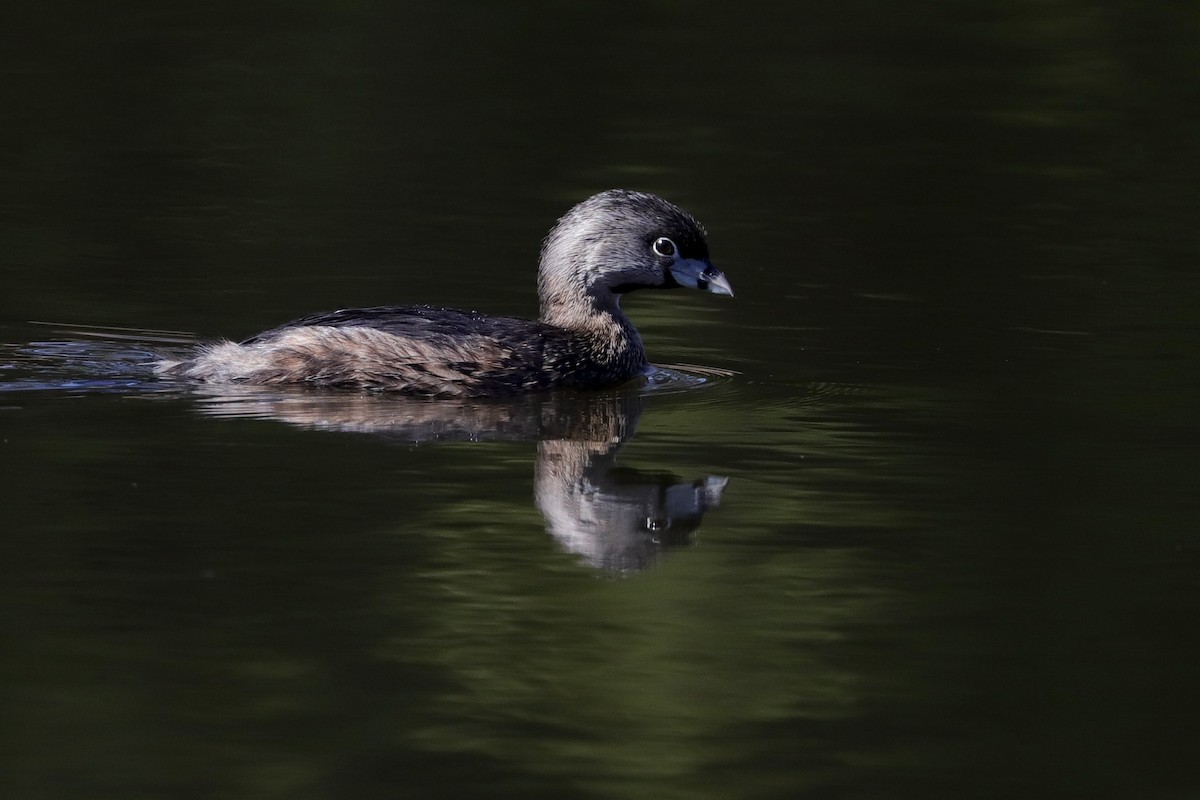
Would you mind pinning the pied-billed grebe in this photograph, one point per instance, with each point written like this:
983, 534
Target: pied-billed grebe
609, 244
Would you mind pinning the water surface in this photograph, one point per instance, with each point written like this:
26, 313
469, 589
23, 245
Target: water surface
922, 523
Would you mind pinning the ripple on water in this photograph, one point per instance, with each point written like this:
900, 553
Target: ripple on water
104, 360
686, 377
669, 378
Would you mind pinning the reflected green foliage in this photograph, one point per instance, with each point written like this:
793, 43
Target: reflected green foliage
956, 556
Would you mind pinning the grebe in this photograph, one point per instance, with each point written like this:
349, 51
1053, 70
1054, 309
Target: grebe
610, 244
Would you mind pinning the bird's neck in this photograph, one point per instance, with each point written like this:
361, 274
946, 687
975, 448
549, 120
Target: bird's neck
596, 316
581, 310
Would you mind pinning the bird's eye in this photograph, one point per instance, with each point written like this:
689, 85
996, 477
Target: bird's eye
664, 246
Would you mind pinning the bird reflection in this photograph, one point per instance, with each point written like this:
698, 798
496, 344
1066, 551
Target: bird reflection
615, 518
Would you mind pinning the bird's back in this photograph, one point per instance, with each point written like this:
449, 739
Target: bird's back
417, 350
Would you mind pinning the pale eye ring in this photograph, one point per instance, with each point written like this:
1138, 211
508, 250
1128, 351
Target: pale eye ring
664, 247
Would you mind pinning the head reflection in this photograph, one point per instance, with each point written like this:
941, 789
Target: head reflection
615, 518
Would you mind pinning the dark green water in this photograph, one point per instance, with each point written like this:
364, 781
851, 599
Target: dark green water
938, 536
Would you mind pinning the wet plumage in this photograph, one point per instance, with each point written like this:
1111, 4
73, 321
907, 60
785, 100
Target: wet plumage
611, 243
